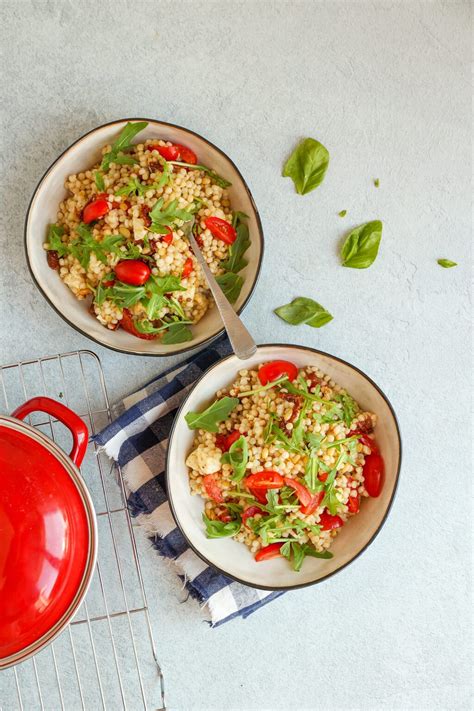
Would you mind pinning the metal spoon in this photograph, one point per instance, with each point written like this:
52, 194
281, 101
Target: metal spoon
240, 339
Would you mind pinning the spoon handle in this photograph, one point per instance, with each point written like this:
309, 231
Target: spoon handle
240, 339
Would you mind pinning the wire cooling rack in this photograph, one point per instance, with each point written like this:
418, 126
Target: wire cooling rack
106, 658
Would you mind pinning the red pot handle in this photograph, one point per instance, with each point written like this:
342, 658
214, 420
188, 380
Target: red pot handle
73, 422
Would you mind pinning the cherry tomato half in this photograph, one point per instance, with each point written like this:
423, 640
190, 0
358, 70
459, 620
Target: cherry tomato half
213, 490
95, 210
303, 494
225, 441
274, 369
271, 551
128, 324
252, 511
314, 504
353, 504
168, 237
221, 229
266, 479
329, 522
260, 494
133, 271
374, 474
188, 268
186, 154
167, 152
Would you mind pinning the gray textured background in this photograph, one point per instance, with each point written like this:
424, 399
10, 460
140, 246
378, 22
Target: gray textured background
385, 86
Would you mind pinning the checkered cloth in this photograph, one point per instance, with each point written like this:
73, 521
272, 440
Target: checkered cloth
138, 440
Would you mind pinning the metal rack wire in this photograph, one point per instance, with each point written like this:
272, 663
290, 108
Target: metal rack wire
106, 658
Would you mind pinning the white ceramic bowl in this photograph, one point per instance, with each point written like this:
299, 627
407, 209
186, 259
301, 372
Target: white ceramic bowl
234, 559
83, 154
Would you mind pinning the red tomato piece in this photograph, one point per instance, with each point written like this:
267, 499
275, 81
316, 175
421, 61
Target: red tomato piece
303, 494
133, 271
221, 229
188, 268
225, 516
168, 237
95, 210
225, 441
128, 324
374, 474
267, 479
353, 504
108, 283
167, 152
322, 476
274, 369
252, 511
329, 522
271, 551
186, 154
314, 504
370, 443
213, 490
260, 494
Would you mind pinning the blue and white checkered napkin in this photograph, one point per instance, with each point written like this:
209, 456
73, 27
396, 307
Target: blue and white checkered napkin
138, 440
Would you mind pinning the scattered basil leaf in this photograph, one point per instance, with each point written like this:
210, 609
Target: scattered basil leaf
123, 143
304, 310
99, 181
361, 247
219, 529
447, 263
237, 457
177, 333
231, 284
209, 418
343, 213
307, 165
55, 232
376, 182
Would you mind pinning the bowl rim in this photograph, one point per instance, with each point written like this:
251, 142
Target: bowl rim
387, 511
171, 351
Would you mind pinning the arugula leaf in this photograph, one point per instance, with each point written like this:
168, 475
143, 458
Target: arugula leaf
84, 244
349, 407
217, 179
343, 213
209, 418
123, 143
219, 529
235, 261
55, 232
177, 333
237, 457
361, 246
309, 550
99, 181
447, 263
307, 165
238, 217
135, 187
304, 310
163, 217
231, 284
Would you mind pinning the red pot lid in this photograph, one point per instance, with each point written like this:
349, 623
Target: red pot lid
47, 538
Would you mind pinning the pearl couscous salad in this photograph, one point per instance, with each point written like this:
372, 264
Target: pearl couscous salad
119, 239
283, 458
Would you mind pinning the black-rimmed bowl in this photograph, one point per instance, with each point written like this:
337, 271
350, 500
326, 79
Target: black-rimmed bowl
234, 559
81, 156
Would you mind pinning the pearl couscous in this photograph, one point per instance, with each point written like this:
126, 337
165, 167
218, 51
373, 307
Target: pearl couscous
119, 240
283, 458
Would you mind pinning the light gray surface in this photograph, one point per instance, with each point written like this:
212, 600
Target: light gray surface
385, 86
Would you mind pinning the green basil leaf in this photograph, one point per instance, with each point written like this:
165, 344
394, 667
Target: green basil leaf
361, 247
209, 419
237, 457
219, 529
304, 310
235, 261
376, 182
307, 165
177, 333
231, 284
343, 213
447, 263
99, 181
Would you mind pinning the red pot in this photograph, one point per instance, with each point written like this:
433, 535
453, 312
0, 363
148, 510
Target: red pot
48, 531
